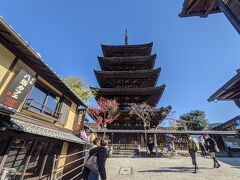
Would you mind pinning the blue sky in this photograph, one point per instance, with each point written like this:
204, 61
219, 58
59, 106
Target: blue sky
197, 55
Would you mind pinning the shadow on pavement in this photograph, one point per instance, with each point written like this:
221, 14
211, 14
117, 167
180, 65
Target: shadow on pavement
174, 169
234, 162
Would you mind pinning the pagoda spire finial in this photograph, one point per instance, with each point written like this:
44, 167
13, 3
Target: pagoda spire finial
126, 37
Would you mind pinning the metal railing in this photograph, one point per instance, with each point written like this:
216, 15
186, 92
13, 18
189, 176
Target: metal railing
57, 169
34, 105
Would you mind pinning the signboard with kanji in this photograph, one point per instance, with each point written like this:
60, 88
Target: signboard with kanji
17, 90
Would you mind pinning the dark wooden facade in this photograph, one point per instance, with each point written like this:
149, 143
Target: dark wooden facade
230, 91
202, 8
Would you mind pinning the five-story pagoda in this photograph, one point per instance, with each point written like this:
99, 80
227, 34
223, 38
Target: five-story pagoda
128, 75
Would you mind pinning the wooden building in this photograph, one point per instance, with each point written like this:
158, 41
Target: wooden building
231, 142
39, 113
230, 92
128, 75
202, 8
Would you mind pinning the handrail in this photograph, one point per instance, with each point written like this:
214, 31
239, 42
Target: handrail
76, 176
70, 155
70, 162
56, 160
69, 172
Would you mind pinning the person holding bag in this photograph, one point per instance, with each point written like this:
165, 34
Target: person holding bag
96, 162
212, 148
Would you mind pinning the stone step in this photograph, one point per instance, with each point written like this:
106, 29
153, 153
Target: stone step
123, 156
123, 151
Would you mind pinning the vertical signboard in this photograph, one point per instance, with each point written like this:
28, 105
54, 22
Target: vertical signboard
17, 90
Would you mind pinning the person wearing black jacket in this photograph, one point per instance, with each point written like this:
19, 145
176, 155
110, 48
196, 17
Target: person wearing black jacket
212, 148
101, 153
150, 145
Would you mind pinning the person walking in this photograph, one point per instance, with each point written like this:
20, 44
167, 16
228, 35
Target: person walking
95, 144
202, 146
96, 166
150, 145
192, 148
212, 148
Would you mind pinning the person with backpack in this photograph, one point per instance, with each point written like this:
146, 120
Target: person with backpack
192, 148
96, 162
86, 171
212, 148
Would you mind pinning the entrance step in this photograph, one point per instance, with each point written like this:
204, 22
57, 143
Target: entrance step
124, 153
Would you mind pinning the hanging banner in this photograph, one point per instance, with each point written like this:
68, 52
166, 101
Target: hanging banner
17, 90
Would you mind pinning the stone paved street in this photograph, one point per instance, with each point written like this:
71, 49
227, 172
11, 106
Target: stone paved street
171, 169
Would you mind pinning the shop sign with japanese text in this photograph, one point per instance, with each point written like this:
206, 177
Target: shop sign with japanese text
15, 93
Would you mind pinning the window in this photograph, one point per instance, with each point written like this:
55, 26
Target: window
43, 100
37, 98
18, 154
22, 149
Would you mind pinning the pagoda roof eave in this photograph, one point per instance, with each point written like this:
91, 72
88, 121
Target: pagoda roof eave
154, 93
200, 8
229, 91
129, 90
126, 50
128, 73
111, 61
119, 60
103, 76
150, 44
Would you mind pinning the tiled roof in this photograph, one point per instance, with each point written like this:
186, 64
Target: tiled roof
27, 127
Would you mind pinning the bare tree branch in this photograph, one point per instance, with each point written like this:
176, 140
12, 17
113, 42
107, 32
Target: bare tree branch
145, 112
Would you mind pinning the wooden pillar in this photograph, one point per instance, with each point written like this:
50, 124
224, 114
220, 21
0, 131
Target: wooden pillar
138, 139
4, 158
28, 159
155, 142
142, 139
53, 167
112, 139
45, 160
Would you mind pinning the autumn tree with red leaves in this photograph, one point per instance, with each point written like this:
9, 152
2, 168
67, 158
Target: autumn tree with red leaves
106, 113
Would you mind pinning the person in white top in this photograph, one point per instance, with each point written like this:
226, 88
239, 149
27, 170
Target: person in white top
84, 136
202, 146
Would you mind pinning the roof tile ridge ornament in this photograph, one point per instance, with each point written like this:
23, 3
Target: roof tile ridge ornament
126, 37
